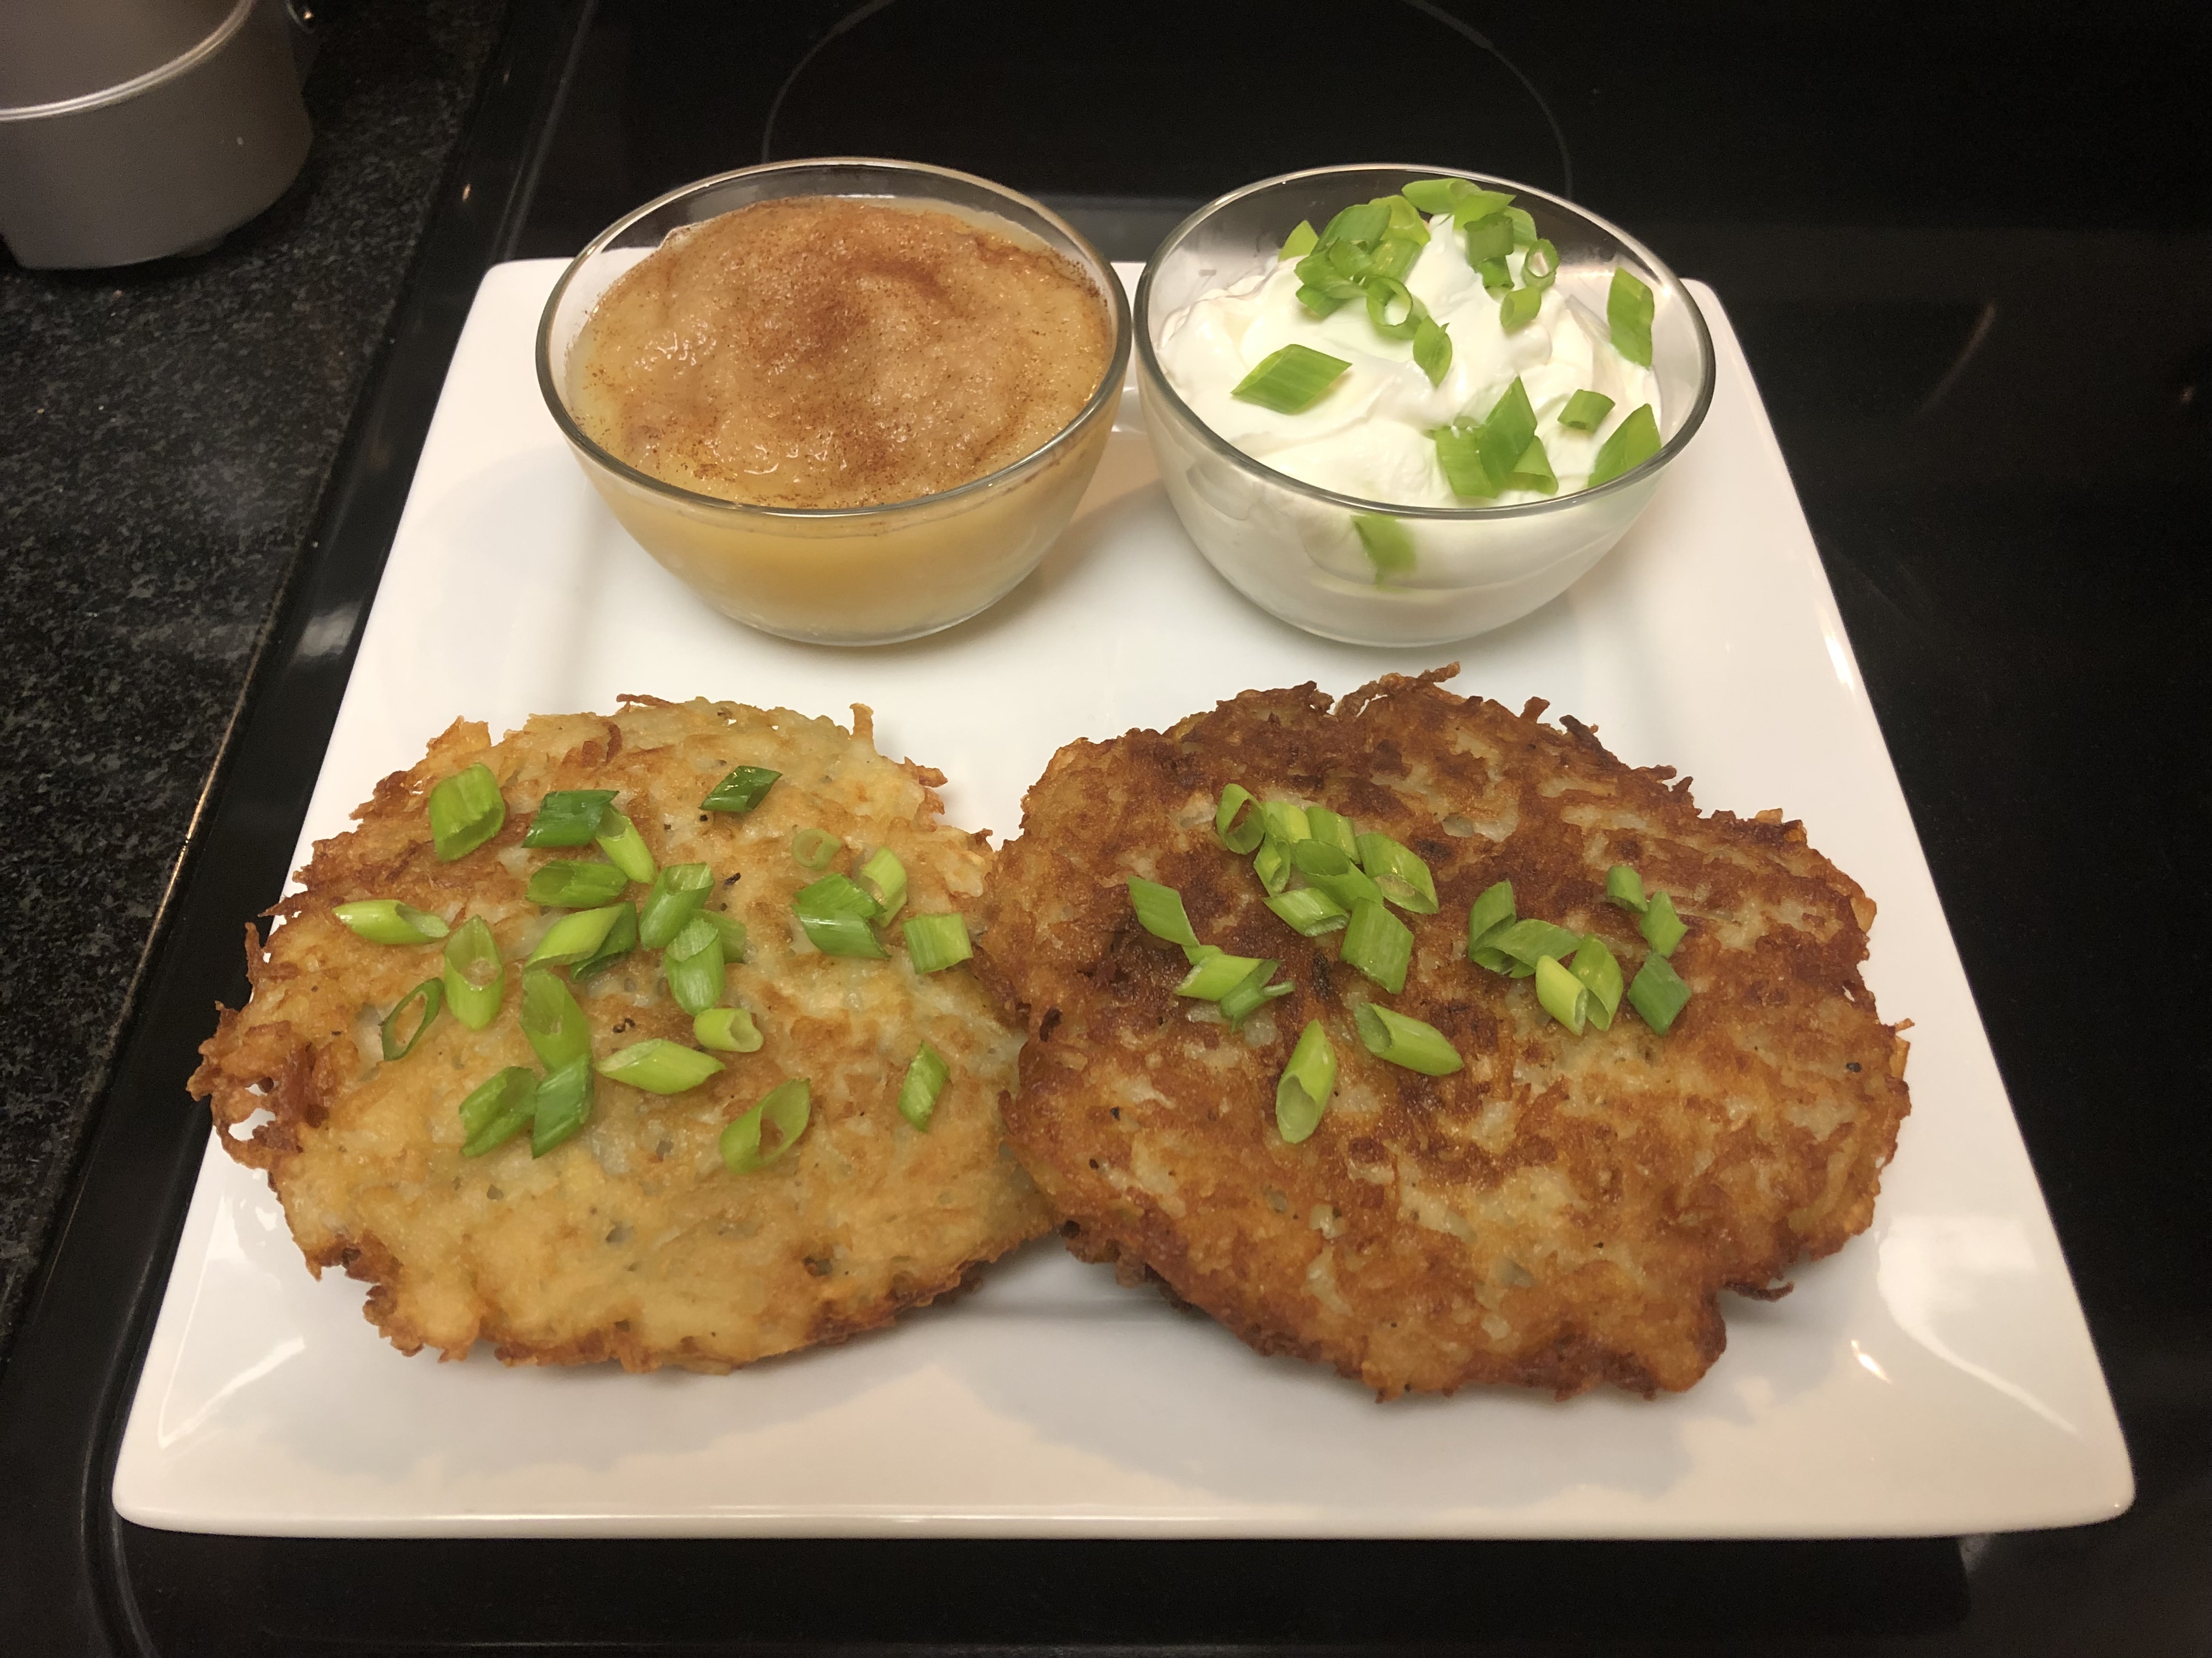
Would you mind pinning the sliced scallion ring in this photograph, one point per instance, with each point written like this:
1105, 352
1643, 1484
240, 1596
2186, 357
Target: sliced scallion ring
733, 931
1518, 308
1404, 1041
1302, 1094
1387, 542
1434, 195
1272, 864
1319, 301
1489, 238
1564, 996
1507, 431
1521, 945
693, 963
1160, 912
726, 1030
411, 1015
498, 1109
1379, 944
1490, 915
1540, 265
466, 811
577, 937
1658, 994
1252, 991
1299, 243
1533, 471
568, 817
1585, 411
1286, 820
659, 1065
1662, 927
553, 1020
1474, 205
1625, 887
1634, 441
1628, 310
813, 848
1291, 380
563, 1101
563, 884
884, 879
1236, 838
1497, 278
1333, 829
1595, 968
625, 848
1326, 867
838, 916
388, 921
925, 1079
934, 943
785, 1109
1310, 911
679, 892
745, 787
1524, 227
474, 976
1459, 453
1433, 349
1400, 872
621, 939
1383, 293
1215, 974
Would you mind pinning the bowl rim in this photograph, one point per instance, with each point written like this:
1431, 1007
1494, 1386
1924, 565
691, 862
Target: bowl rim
1110, 383
1154, 375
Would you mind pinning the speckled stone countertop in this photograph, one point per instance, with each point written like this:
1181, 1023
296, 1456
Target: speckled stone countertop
166, 434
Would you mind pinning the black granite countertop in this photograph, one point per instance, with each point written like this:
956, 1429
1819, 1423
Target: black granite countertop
166, 433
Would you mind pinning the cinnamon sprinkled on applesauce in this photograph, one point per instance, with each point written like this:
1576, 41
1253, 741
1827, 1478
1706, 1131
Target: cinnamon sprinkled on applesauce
821, 351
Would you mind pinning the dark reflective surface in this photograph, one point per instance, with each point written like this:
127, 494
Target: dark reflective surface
1970, 257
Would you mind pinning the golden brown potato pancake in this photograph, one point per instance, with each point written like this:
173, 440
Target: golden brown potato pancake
632, 1242
1562, 1211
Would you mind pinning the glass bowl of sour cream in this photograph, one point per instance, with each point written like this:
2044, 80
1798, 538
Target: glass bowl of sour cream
847, 401
1427, 491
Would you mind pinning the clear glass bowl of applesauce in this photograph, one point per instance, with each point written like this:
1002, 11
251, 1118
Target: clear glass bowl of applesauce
1296, 548
843, 575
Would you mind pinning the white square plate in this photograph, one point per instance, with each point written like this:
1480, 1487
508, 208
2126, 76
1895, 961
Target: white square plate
1934, 1377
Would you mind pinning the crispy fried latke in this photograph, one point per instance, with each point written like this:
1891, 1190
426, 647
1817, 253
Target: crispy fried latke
1562, 1211
632, 1242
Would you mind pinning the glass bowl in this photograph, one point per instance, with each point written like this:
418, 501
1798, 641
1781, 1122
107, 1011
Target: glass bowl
1290, 547
862, 575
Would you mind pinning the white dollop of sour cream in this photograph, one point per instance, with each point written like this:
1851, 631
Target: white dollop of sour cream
1368, 434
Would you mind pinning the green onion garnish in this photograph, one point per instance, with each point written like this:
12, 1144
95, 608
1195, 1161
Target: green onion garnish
733, 931
924, 1081
1490, 915
1628, 308
1389, 543
1403, 1041
785, 1108
1599, 974
563, 884
552, 1020
1272, 864
1310, 911
741, 791
1471, 206
1625, 887
466, 811
1634, 441
576, 937
1251, 992
1379, 944
1540, 266
621, 939
476, 977
1286, 822
679, 892
726, 1030
884, 880
1401, 874
496, 1111
1662, 929
1533, 471
1518, 308
564, 1100
625, 848
1333, 830
1586, 411
1564, 996
693, 961
568, 817
1385, 291
815, 846
1327, 868
1524, 227
1507, 431
1234, 798
659, 1065
429, 997
1517, 948
1497, 278
1308, 1080
1319, 301
1299, 243
1489, 238
1433, 349
1290, 381
1405, 222
934, 943
1363, 222
1658, 993
388, 921
1215, 973
1459, 453
1160, 912
1435, 195
837, 914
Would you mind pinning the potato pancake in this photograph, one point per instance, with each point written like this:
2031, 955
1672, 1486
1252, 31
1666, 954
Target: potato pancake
633, 1240
1563, 1210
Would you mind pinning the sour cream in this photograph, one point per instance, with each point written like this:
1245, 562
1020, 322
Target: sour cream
1368, 435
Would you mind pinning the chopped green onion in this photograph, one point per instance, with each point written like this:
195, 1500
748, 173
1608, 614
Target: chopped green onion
1302, 1094
1248, 996
1662, 927
679, 892
1327, 868
1497, 278
625, 848
1310, 911
1658, 993
884, 878
564, 1100
733, 931
476, 977
576, 937
934, 943
1517, 309
741, 791
1291, 380
1401, 874
1363, 222
726, 1030
1435, 195
568, 817
466, 811
388, 921
1215, 974
1433, 349
693, 963
1585, 411
1459, 453
1333, 830
1383, 293
1234, 798
837, 914
1524, 227
814, 846
1517, 948
1599, 974
1564, 996
1272, 864
1540, 266
1490, 915
1405, 222
1634, 441
621, 939
1533, 471
924, 1081
785, 1108
1625, 887
1507, 431
659, 1065
552, 1020
1394, 258
430, 997
1389, 543
497, 1110
1403, 1041
563, 884
1474, 205
1319, 301
1286, 820
1160, 912
1299, 243
1628, 308
1488, 239
1379, 944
